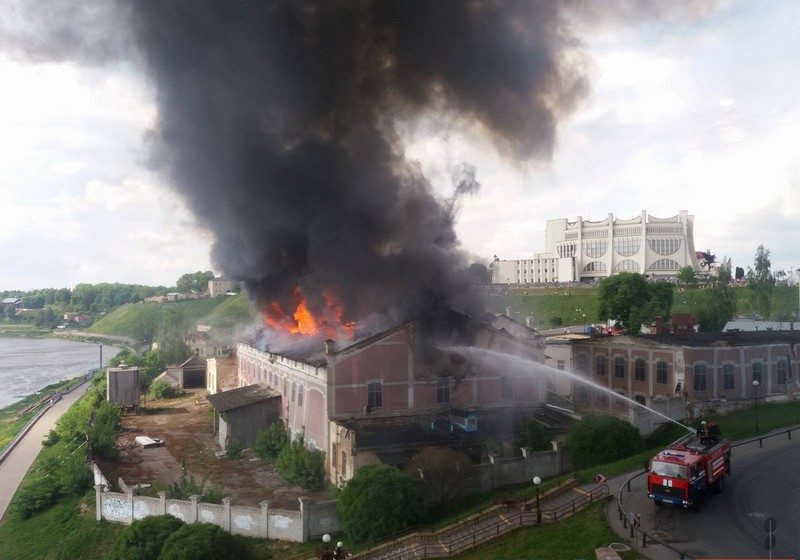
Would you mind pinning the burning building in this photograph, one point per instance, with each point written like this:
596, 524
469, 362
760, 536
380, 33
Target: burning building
381, 397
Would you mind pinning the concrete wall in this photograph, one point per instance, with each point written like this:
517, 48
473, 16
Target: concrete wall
498, 473
313, 519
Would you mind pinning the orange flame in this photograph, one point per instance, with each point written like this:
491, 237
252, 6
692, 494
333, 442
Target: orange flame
303, 322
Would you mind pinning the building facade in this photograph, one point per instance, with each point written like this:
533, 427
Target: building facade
584, 250
401, 375
702, 367
220, 287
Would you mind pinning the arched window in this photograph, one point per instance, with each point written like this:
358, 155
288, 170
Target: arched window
639, 370
375, 394
619, 367
665, 246
627, 266
600, 363
595, 248
661, 373
626, 246
595, 266
700, 374
665, 264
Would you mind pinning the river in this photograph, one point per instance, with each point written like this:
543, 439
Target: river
29, 364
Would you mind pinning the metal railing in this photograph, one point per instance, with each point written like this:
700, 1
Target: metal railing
462, 536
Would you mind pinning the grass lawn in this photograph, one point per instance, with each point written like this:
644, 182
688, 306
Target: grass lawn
575, 537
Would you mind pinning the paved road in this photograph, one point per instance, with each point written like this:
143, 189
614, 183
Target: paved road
13, 469
762, 484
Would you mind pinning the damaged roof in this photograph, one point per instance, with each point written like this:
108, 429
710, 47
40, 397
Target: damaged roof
443, 325
243, 396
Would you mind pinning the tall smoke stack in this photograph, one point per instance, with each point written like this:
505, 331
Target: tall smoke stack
277, 122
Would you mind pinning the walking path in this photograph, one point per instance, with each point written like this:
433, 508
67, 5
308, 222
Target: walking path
17, 463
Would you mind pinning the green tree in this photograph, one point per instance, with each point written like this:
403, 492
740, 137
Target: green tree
761, 283
687, 275
301, 466
533, 435
202, 541
144, 538
103, 430
271, 441
48, 317
444, 474
627, 298
602, 439
379, 501
719, 307
170, 337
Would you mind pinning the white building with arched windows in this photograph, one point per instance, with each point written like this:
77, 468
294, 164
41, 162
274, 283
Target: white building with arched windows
584, 250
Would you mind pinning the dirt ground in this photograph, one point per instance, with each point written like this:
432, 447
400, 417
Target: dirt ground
186, 426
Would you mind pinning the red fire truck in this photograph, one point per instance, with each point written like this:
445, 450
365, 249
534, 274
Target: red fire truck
689, 470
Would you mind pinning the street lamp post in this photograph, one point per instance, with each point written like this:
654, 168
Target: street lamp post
755, 386
325, 553
797, 270
536, 482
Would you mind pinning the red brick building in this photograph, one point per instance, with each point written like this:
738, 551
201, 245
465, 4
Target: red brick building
702, 367
415, 375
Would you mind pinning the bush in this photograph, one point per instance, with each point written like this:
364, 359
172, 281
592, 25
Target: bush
602, 439
103, 430
160, 389
533, 435
234, 450
379, 501
212, 495
556, 321
202, 541
73, 476
443, 474
51, 439
301, 466
271, 441
145, 538
36, 497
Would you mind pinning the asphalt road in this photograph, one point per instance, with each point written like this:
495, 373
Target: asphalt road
13, 469
763, 483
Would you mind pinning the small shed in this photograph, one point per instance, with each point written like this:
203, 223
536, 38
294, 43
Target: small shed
240, 414
191, 374
122, 385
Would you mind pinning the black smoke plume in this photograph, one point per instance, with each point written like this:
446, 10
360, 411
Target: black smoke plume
277, 123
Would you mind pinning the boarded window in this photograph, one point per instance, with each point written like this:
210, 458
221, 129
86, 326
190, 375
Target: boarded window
300, 392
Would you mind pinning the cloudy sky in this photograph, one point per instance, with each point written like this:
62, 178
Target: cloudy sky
697, 113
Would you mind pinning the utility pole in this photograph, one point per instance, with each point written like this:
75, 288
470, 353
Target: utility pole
101, 356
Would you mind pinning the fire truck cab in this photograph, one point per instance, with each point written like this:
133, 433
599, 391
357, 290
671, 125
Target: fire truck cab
688, 471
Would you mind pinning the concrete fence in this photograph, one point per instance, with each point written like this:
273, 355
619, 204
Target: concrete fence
313, 520
498, 472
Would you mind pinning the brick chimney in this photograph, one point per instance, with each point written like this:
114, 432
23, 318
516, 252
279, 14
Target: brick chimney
330, 346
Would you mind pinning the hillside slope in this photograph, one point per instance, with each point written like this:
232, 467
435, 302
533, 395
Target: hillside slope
579, 305
140, 320
232, 311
